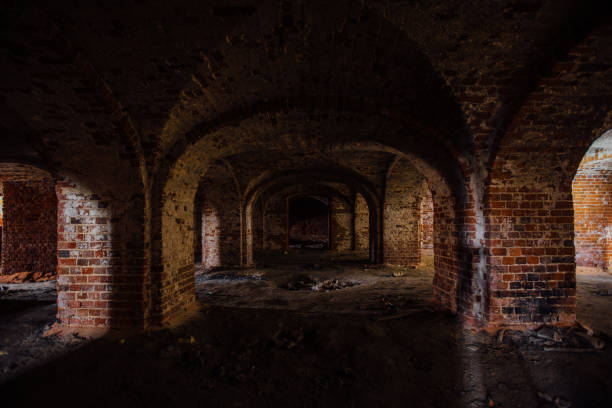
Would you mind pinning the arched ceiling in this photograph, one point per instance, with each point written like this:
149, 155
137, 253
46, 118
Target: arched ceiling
445, 77
22, 172
250, 167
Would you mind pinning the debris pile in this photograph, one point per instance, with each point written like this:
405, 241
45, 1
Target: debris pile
305, 282
333, 284
577, 339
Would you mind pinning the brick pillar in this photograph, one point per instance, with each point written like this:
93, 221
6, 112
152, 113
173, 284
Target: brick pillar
362, 224
531, 252
426, 221
401, 215
341, 219
29, 233
100, 261
221, 224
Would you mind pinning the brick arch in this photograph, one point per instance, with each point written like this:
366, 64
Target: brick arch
28, 221
530, 255
592, 195
452, 247
279, 182
338, 200
412, 89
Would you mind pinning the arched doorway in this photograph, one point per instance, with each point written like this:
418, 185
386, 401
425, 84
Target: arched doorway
592, 204
309, 222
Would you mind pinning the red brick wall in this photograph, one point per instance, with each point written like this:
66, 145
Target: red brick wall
426, 220
220, 224
530, 241
592, 193
449, 269
29, 234
362, 224
401, 215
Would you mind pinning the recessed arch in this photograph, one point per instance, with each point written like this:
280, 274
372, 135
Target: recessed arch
279, 182
592, 199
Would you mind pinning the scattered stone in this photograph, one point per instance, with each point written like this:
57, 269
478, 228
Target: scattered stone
305, 282
333, 284
547, 333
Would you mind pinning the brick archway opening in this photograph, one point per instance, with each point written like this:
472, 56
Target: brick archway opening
308, 225
592, 201
28, 222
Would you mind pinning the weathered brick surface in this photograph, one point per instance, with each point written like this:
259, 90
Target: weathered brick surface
220, 224
341, 228
426, 220
495, 104
401, 214
362, 221
29, 230
100, 277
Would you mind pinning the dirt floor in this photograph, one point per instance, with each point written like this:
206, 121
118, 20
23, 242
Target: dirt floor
307, 332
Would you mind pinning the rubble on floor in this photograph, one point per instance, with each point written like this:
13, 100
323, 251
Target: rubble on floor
305, 282
577, 338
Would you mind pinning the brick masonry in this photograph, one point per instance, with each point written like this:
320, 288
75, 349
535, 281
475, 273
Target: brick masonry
220, 225
401, 214
275, 222
99, 281
362, 222
500, 100
341, 228
29, 231
426, 220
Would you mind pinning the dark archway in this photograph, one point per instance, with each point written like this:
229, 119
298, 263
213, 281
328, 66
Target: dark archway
309, 222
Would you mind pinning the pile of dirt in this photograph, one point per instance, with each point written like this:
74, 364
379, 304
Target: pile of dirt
21, 277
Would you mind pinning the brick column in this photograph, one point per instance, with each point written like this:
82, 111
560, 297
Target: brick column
100, 261
401, 215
